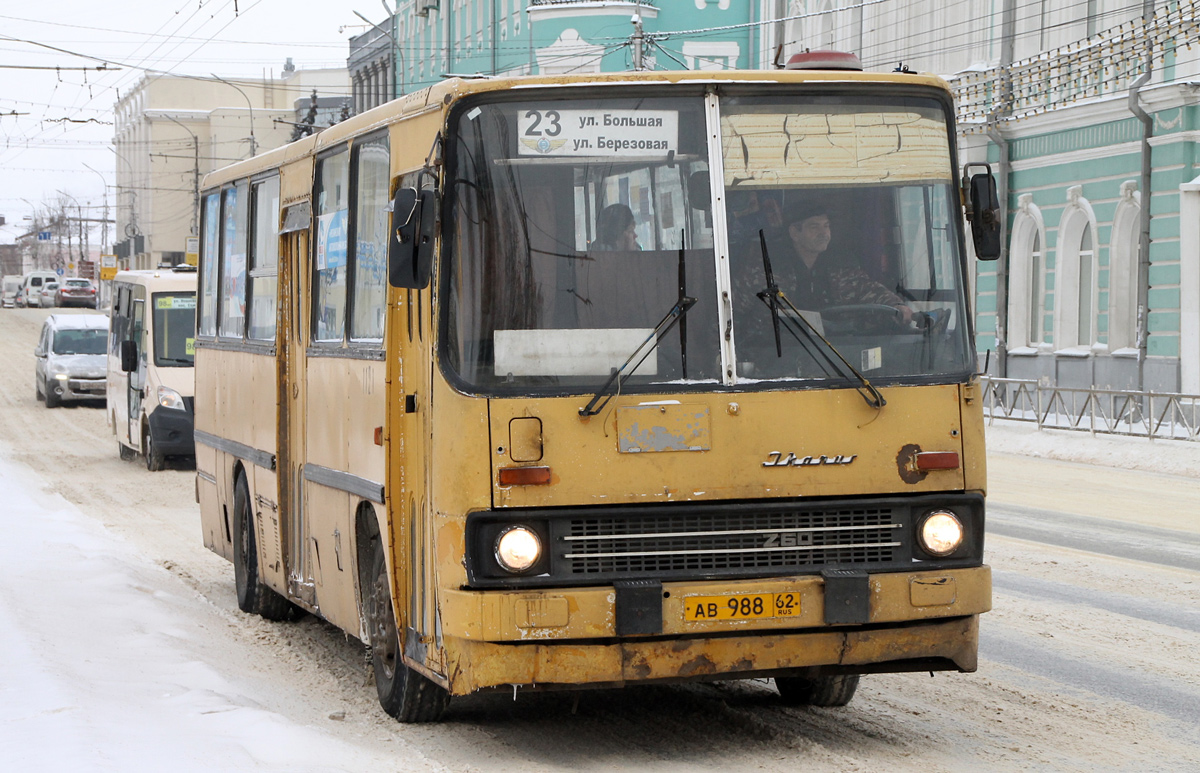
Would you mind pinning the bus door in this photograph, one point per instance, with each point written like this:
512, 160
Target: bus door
292, 366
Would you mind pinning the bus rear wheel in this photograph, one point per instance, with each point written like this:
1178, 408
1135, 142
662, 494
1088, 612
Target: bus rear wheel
817, 691
403, 693
252, 595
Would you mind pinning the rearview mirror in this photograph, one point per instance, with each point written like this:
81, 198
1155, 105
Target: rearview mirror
410, 249
983, 211
129, 356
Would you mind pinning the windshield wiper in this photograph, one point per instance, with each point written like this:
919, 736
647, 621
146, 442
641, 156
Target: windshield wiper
619, 375
775, 299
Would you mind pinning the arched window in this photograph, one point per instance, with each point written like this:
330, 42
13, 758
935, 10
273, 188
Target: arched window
1122, 270
817, 31
1075, 276
1086, 321
1027, 278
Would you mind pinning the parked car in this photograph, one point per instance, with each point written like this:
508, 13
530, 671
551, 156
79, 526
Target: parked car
71, 358
31, 286
46, 298
8, 295
76, 292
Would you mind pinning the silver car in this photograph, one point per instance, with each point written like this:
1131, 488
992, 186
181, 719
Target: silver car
72, 359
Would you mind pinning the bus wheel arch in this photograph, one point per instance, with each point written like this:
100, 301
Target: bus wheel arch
253, 595
403, 693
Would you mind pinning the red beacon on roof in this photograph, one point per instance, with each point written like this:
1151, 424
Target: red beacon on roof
824, 60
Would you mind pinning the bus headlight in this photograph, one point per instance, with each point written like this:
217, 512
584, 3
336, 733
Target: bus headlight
169, 398
517, 549
941, 533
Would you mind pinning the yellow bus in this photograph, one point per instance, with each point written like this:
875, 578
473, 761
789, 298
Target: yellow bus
531, 383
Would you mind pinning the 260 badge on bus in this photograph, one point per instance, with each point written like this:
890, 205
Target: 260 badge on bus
741, 606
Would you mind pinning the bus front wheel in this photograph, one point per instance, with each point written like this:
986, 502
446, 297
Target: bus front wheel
403, 693
817, 691
252, 595
155, 461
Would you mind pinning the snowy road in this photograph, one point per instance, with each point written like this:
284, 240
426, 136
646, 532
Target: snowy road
121, 646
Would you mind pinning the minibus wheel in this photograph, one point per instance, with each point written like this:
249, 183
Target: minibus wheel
817, 691
155, 461
252, 595
403, 693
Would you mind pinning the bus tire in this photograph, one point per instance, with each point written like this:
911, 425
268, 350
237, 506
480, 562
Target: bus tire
403, 693
155, 461
126, 453
817, 691
252, 595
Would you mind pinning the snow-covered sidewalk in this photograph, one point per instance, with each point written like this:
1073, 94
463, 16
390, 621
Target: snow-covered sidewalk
103, 659
1171, 457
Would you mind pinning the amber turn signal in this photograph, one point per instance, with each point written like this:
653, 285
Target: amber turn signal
524, 476
936, 460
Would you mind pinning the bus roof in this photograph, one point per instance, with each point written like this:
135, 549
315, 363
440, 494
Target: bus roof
159, 279
446, 92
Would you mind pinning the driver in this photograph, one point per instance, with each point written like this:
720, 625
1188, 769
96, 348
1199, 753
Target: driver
816, 279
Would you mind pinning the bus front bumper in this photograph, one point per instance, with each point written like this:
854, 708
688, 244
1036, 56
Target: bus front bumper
917, 621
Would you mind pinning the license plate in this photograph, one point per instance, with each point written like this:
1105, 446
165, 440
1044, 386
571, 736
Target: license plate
741, 606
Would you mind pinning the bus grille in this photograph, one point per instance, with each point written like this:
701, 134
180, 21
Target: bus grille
776, 539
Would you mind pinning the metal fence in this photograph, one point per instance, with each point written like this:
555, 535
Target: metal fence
1155, 415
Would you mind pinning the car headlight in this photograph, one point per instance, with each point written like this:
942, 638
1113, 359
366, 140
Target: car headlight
169, 398
941, 533
518, 549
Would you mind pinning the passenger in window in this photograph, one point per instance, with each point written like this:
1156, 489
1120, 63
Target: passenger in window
616, 229
815, 279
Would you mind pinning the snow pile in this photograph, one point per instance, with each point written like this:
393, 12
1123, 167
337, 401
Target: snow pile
1173, 457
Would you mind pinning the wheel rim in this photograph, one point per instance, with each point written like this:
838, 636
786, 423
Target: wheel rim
243, 550
384, 641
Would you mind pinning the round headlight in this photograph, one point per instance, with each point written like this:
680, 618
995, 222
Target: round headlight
941, 533
517, 549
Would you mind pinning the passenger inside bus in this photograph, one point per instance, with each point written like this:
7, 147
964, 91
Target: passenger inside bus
616, 229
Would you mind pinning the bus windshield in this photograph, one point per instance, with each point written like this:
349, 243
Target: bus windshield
577, 226
175, 329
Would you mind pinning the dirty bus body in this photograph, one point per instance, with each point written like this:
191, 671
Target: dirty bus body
441, 406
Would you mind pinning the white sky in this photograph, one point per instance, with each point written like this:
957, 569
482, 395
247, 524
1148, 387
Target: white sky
41, 153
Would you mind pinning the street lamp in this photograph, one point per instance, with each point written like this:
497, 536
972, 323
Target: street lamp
196, 168
253, 144
104, 223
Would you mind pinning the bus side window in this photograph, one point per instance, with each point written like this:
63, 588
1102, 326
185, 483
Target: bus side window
330, 248
233, 261
264, 260
370, 240
209, 251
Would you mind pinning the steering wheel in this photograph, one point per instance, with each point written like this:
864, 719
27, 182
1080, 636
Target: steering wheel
863, 319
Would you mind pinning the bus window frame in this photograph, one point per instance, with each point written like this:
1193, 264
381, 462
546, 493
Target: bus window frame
202, 266
895, 94
352, 247
347, 345
242, 187
253, 271
326, 345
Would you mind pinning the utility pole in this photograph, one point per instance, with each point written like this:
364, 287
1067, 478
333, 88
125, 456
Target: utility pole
1008, 21
195, 174
639, 40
